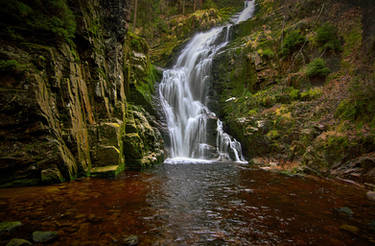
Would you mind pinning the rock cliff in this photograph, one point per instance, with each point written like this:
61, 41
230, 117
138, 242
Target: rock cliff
69, 99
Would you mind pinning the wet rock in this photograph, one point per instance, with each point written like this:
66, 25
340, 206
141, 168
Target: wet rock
131, 240
51, 176
44, 236
344, 211
18, 242
371, 195
9, 226
349, 228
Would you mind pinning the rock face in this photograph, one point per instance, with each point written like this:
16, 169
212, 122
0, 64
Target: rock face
65, 102
272, 98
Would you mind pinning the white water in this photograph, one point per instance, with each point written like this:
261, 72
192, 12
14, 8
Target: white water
183, 92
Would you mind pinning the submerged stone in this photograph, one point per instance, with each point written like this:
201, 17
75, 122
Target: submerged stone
371, 195
131, 240
9, 226
44, 236
349, 228
18, 242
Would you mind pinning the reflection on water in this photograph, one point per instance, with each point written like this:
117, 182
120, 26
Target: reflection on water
201, 204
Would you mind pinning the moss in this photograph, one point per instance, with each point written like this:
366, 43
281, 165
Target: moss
317, 68
11, 66
268, 53
360, 106
311, 94
273, 134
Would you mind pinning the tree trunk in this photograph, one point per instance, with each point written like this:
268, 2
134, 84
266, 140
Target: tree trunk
135, 14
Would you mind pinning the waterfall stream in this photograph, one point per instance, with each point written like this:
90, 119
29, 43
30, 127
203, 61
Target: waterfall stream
195, 133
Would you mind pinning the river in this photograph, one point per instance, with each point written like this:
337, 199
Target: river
197, 204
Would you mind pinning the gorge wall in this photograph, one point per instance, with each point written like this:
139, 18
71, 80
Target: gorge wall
296, 87
75, 92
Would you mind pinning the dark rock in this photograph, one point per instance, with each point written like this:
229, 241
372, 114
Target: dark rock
18, 242
44, 236
51, 176
131, 240
9, 226
344, 211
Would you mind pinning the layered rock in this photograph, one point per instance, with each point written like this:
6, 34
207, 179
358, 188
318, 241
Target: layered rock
65, 107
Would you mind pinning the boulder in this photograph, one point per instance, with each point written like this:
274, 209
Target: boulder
9, 226
44, 236
18, 242
51, 176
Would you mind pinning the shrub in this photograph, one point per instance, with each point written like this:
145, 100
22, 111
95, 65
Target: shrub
317, 68
312, 93
326, 37
360, 105
292, 42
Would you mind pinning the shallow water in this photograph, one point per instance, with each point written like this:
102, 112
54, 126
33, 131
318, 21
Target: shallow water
192, 204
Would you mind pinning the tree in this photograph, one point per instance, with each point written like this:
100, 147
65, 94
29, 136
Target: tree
135, 14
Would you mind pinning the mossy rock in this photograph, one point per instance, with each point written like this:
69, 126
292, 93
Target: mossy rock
18, 242
44, 236
51, 176
133, 146
9, 226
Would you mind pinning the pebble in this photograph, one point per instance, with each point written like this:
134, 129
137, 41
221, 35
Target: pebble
371, 195
131, 240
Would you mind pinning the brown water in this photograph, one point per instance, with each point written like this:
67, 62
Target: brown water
201, 204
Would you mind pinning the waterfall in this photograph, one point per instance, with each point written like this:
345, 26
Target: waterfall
195, 133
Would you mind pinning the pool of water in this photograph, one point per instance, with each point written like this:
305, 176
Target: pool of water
193, 204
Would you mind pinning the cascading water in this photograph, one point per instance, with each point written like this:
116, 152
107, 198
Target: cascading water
184, 97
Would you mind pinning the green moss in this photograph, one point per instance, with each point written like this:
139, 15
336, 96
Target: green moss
317, 68
268, 53
360, 106
311, 94
353, 38
11, 66
293, 41
273, 134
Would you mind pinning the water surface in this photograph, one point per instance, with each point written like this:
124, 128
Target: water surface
193, 204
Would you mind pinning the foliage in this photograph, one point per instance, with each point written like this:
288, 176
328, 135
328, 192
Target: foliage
361, 104
41, 19
208, 4
311, 94
292, 42
326, 37
268, 53
317, 68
